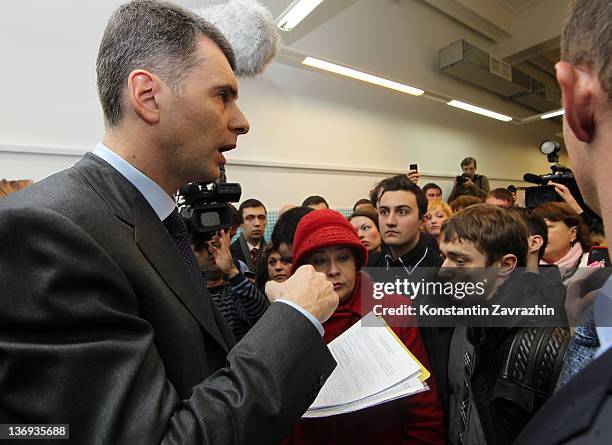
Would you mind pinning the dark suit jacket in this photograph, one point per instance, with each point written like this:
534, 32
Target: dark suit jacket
260, 269
579, 413
102, 327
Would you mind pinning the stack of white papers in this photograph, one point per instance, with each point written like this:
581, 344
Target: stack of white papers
374, 367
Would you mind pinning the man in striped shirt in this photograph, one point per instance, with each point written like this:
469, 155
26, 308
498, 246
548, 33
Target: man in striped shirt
240, 302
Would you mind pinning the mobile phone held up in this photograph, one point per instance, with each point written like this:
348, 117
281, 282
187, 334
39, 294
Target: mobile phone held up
414, 167
599, 254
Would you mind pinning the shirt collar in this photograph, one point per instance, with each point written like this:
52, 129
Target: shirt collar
411, 257
158, 199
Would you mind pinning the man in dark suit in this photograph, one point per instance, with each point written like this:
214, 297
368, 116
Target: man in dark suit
581, 410
251, 244
102, 326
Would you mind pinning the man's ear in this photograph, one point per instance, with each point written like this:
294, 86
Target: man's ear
535, 243
507, 264
578, 86
143, 88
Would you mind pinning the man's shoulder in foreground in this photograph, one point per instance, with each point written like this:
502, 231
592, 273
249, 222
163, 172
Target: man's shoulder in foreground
579, 412
67, 190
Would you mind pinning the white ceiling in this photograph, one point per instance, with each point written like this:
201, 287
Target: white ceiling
49, 51
399, 39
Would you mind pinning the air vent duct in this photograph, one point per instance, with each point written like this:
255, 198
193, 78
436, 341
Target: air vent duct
471, 64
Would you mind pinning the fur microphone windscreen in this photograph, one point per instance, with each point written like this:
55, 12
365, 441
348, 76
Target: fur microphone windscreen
250, 29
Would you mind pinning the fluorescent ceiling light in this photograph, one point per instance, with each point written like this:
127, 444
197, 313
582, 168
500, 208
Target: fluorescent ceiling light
478, 110
553, 114
354, 74
296, 12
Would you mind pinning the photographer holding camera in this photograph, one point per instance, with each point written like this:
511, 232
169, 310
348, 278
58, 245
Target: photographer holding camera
469, 183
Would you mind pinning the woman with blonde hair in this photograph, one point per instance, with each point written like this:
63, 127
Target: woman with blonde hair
437, 212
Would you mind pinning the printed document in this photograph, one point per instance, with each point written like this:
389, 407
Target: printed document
374, 367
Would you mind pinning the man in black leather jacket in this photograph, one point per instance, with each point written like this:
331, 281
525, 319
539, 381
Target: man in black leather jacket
500, 370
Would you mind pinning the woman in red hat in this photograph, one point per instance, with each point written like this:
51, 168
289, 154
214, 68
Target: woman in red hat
326, 240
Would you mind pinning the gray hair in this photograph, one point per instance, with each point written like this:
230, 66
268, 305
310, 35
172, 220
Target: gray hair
155, 36
587, 38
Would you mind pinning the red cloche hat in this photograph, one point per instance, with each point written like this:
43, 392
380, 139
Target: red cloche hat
324, 228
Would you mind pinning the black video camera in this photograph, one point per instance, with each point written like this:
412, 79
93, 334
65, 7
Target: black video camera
543, 193
204, 206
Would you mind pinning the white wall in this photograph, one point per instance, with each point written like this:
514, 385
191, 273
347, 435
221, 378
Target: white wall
342, 129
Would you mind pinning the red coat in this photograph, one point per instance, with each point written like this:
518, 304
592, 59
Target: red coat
417, 419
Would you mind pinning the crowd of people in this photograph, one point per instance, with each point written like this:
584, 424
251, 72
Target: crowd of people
405, 228
121, 323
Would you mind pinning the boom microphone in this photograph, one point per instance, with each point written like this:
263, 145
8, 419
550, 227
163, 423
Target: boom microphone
251, 31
